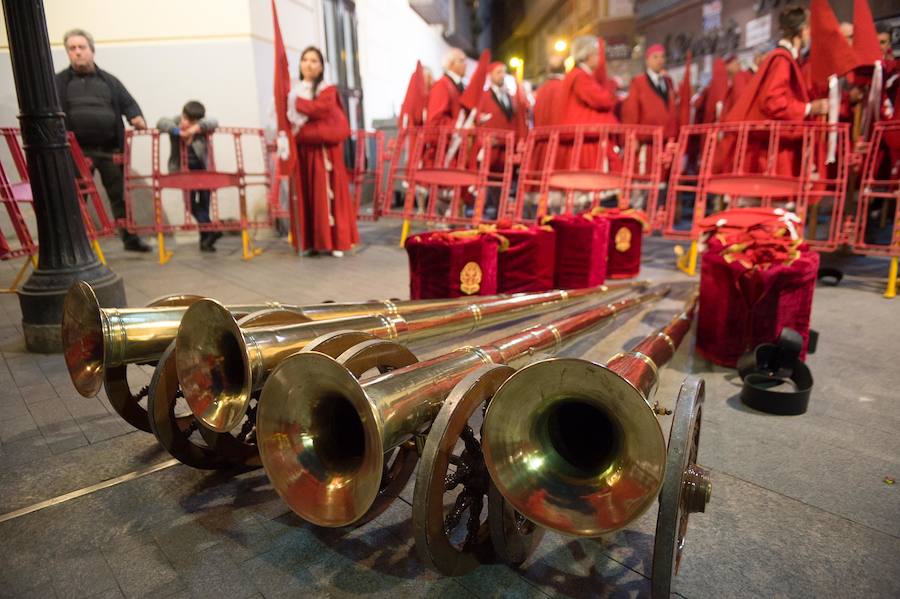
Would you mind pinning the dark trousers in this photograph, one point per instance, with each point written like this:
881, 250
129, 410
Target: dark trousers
113, 179
199, 199
200, 205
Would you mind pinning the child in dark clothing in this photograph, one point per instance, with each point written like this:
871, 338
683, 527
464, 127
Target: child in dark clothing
193, 128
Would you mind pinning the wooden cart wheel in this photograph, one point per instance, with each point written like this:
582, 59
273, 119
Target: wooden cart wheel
124, 401
686, 486
452, 462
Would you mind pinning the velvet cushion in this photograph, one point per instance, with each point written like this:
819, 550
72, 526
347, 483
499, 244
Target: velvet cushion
581, 250
529, 263
445, 264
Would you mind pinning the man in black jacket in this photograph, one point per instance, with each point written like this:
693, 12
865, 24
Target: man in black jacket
95, 102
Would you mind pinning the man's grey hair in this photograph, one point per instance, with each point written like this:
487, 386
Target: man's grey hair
449, 56
583, 46
79, 32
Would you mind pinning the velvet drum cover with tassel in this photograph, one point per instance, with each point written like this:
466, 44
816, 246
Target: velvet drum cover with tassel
581, 250
752, 285
529, 262
444, 264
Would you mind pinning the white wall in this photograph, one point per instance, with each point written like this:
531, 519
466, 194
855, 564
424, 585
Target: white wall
392, 37
220, 52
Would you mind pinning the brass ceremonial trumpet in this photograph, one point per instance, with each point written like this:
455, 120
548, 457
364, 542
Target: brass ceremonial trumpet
323, 435
576, 447
96, 339
219, 364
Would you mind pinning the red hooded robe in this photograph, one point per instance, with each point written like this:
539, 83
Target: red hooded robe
320, 154
777, 92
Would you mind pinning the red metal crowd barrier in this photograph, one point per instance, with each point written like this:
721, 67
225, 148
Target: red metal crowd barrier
15, 191
877, 217
367, 173
450, 176
239, 177
802, 167
575, 168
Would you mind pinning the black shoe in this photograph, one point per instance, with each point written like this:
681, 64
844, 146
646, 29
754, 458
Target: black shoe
213, 237
136, 244
207, 247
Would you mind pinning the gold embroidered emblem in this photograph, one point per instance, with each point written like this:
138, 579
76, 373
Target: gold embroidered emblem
470, 278
623, 239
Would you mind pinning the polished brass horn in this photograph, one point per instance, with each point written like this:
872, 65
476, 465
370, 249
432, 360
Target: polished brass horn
323, 434
575, 446
219, 364
96, 339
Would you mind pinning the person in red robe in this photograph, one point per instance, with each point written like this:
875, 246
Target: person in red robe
737, 81
778, 92
497, 110
583, 100
320, 128
651, 97
443, 99
545, 110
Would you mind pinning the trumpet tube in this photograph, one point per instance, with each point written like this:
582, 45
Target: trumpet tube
220, 364
323, 435
577, 447
96, 338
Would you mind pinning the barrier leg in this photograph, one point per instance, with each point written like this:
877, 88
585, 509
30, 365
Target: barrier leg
20, 275
891, 291
99, 251
164, 255
404, 232
687, 262
249, 251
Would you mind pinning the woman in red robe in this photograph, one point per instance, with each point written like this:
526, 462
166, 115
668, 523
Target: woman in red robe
320, 128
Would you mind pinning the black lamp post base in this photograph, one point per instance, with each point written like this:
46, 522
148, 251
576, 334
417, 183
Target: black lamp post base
41, 300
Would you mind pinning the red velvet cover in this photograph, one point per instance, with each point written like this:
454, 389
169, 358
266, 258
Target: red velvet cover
741, 307
581, 250
626, 230
443, 264
529, 263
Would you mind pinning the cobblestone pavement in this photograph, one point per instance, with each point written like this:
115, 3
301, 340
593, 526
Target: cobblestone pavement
800, 505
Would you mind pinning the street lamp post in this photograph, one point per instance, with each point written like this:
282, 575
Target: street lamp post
65, 254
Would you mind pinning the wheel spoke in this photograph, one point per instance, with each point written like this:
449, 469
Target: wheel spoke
463, 500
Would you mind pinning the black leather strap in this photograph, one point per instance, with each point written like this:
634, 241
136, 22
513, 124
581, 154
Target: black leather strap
772, 365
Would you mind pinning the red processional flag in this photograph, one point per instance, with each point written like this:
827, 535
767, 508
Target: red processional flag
286, 158
716, 92
684, 94
415, 100
829, 52
472, 96
600, 72
865, 36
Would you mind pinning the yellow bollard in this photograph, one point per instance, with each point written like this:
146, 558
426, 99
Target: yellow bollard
99, 251
164, 256
891, 291
404, 233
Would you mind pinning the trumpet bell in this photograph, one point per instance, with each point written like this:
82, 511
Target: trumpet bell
82, 336
213, 369
574, 447
320, 439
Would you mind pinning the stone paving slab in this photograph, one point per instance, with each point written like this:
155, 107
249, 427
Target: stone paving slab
799, 505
